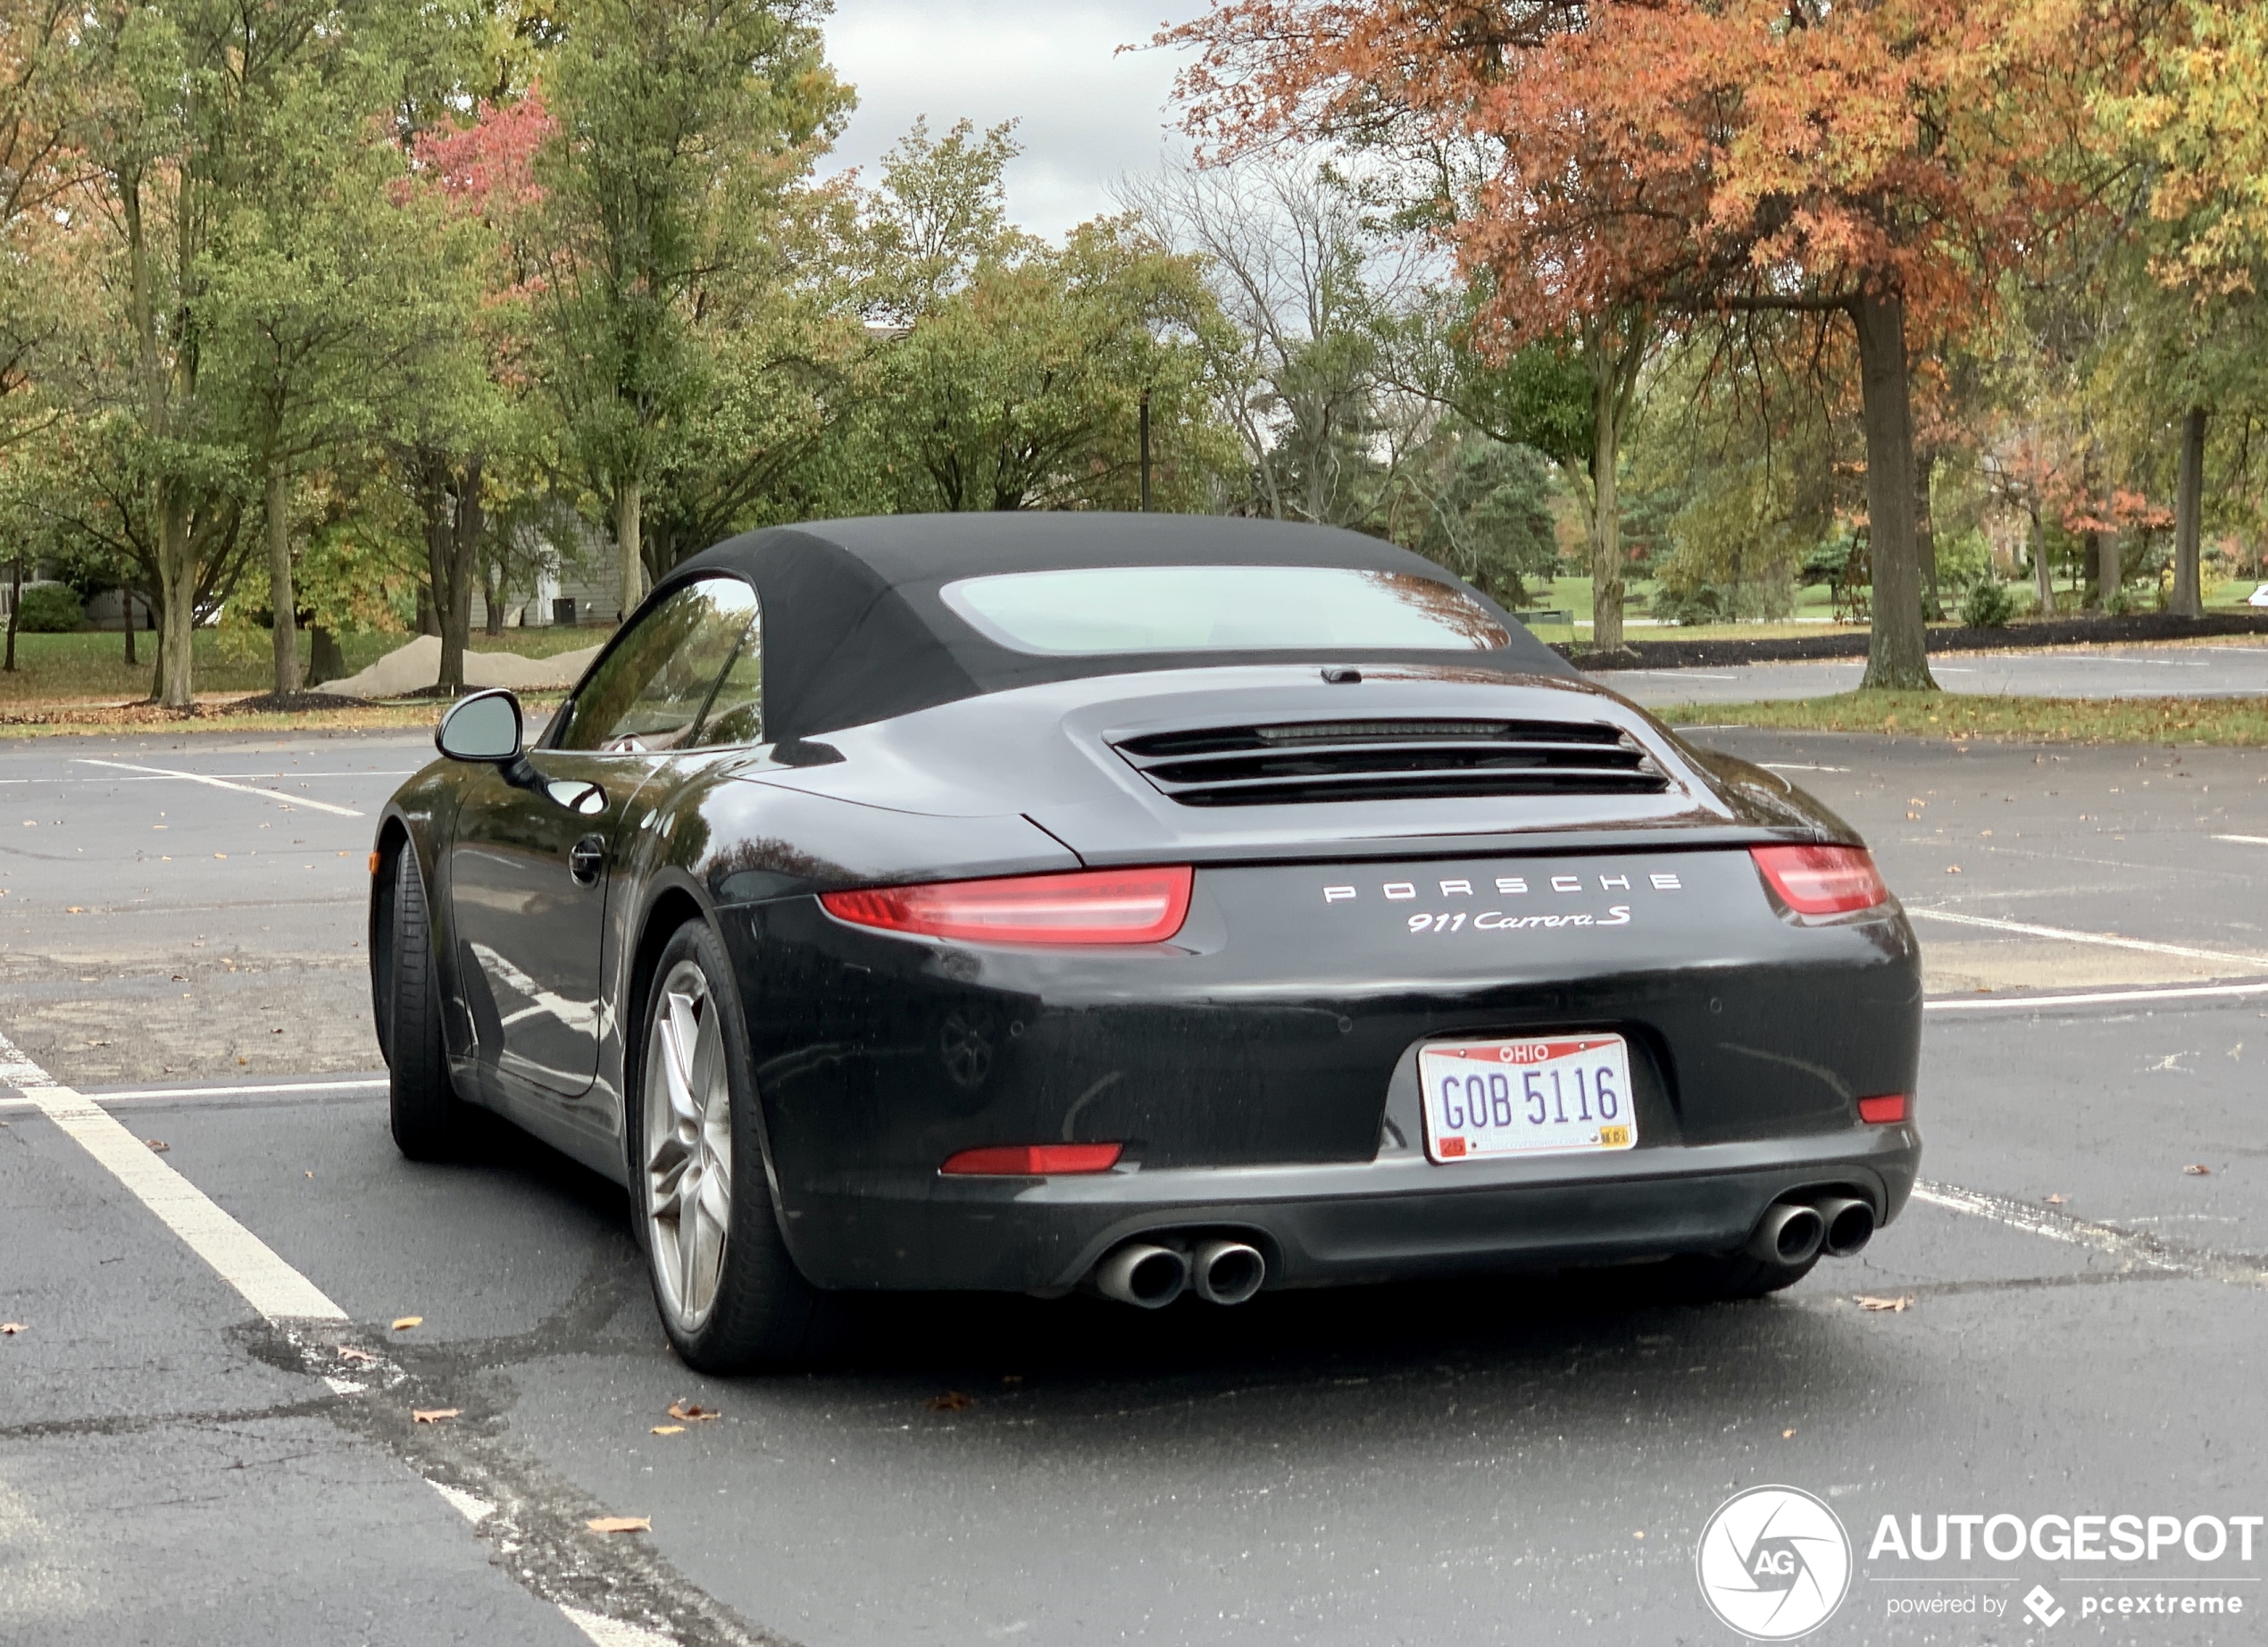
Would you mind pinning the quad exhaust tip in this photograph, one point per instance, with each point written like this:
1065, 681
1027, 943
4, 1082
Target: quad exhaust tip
1789, 1232
1150, 1277
1147, 1276
1849, 1225
1227, 1271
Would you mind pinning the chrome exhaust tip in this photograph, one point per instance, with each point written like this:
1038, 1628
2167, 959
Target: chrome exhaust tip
1789, 1232
1147, 1276
1849, 1225
1227, 1271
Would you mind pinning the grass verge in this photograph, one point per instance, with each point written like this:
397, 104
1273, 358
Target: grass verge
2230, 721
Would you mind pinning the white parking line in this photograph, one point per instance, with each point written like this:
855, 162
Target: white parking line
237, 1256
2086, 998
279, 1293
2064, 934
2246, 841
2132, 1250
281, 1088
222, 784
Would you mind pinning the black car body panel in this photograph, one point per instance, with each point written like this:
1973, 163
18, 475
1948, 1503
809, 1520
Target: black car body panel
1259, 1066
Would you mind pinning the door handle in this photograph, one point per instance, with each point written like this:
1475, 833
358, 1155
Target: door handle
586, 859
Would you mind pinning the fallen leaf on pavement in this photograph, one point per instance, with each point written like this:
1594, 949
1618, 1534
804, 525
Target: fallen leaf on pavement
9, 1329
2057, 1200
667, 1429
402, 1323
157, 1144
348, 1353
1953, 869
951, 1401
621, 1524
1902, 1302
692, 1412
1787, 1435
434, 1415
2196, 1171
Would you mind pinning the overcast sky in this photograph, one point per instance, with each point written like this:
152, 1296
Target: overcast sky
1089, 115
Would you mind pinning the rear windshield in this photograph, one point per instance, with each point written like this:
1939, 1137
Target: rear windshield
1107, 609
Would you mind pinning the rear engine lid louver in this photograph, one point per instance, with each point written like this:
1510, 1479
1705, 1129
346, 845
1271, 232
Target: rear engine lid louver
1309, 762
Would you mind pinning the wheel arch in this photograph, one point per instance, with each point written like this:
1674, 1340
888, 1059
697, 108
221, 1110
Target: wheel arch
675, 900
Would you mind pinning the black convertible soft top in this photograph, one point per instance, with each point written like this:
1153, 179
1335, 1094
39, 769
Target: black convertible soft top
855, 630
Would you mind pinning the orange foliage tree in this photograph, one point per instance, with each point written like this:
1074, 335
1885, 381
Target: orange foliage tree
1884, 161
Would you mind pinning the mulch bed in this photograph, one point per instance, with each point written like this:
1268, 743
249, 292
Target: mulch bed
1943, 638
291, 703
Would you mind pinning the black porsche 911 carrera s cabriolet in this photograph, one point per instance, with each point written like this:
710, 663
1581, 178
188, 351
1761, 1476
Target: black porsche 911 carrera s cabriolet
1150, 904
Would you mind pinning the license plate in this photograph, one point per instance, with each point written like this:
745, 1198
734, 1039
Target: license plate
1548, 1097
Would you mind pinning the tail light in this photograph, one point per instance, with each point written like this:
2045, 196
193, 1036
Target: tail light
1821, 880
1882, 1111
1032, 1160
1096, 906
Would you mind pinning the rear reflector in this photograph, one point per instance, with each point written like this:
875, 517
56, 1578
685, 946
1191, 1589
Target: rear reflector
1821, 880
1882, 1111
1096, 905
1034, 1160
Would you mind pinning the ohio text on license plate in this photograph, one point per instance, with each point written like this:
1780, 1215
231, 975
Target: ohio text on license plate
1491, 1097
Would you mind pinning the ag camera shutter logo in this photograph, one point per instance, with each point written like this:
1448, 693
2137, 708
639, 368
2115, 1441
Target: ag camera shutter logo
1774, 1563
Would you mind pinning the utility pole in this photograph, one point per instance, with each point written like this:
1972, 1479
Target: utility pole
1145, 451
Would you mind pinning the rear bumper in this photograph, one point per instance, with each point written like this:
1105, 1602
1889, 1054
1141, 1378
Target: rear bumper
1398, 1216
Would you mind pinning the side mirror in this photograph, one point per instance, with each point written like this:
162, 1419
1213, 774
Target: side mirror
482, 727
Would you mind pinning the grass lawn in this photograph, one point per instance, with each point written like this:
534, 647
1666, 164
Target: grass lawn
77, 667
2234, 720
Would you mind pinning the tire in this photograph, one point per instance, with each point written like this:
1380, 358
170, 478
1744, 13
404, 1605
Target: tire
430, 1122
731, 1298
1724, 1277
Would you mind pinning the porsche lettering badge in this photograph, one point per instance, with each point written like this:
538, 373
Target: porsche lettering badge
1456, 888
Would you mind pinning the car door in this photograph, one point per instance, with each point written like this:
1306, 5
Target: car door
535, 846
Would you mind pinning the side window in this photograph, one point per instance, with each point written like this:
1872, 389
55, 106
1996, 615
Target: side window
736, 714
649, 691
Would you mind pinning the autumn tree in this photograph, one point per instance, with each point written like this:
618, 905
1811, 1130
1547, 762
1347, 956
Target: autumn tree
1879, 162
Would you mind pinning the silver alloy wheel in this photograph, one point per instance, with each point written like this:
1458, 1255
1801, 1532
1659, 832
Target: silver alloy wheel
689, 1144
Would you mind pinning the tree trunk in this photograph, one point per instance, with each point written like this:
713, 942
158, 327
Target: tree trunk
1925, 531
492, 597
2111, 580
176, 570
1897, 653
629, 508
2043, 569
1615, 353
126, 604
281, 601
325, 661
16, 610
2188, 597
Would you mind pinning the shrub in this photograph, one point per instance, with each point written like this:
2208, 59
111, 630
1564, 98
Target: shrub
1700, 604
50, 609
1988, 605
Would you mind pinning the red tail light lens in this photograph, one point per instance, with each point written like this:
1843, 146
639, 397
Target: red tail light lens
1882, 1111
1821, 880
1032, 1160
1096, 906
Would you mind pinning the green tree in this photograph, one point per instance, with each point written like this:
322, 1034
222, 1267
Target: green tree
680, 127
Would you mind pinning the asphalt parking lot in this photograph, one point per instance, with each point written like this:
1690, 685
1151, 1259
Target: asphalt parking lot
1518, 1461
2212, 670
